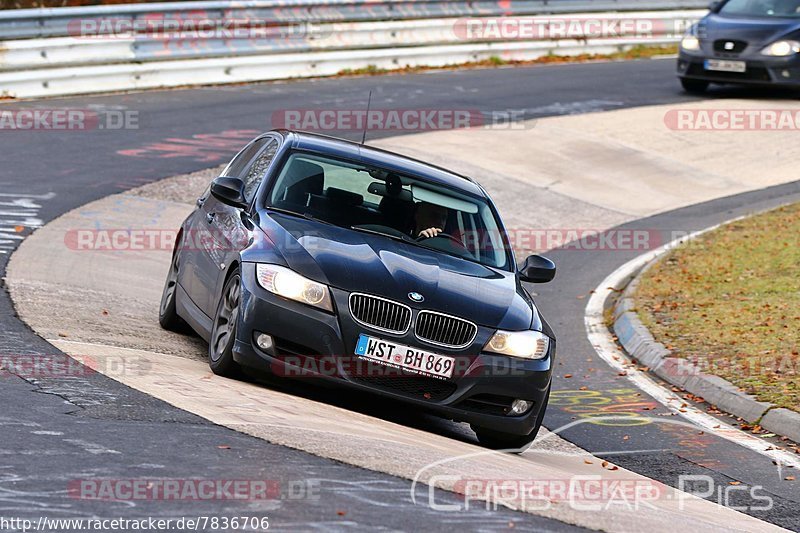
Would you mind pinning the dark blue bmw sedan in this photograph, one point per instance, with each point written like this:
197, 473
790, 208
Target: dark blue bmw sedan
316, 257
754, 42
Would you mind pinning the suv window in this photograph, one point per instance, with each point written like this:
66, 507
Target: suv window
252, 162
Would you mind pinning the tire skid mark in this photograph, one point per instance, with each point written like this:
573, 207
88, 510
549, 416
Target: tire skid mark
19, 213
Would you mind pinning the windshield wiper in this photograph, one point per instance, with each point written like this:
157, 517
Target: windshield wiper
403, 238
307, 216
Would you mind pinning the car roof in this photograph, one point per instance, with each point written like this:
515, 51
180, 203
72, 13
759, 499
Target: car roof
372, 156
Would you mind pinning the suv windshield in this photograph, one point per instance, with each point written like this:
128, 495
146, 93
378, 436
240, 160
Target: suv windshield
762, 8
400, 207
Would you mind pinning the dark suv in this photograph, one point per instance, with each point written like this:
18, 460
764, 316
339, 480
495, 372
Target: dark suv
313, 256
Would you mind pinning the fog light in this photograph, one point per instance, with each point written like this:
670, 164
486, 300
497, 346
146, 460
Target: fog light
264, 342
519, 407
786, 74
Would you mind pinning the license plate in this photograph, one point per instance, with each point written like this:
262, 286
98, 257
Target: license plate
407, 358
726, 66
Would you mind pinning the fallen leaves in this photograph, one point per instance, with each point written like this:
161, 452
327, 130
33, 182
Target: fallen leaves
609, 466
734, 300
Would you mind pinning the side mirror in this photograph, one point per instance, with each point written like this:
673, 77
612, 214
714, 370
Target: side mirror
537, 269
229, 191
713, 6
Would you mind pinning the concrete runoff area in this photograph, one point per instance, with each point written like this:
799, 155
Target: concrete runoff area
109, 300
627, 163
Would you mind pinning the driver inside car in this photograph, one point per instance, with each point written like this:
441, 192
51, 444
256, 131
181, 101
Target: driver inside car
429, 220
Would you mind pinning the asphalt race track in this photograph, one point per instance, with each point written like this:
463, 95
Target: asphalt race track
96, 427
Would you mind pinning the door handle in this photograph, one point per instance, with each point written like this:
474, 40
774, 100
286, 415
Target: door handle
210, 217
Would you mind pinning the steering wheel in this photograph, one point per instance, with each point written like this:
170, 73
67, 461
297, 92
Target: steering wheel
442, 235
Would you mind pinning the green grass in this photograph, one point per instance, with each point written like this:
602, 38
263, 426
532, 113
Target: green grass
731, 301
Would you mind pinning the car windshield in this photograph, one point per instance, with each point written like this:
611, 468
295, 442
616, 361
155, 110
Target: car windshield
400, 207
762, 8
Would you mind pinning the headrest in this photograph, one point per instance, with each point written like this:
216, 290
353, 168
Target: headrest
344, 197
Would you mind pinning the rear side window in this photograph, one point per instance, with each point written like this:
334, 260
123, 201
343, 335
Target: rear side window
258, 169
237, 166
251, 164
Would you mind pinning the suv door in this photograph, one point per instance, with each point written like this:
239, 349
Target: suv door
221, 228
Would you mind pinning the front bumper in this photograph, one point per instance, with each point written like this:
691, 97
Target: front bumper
761, 70
311, 344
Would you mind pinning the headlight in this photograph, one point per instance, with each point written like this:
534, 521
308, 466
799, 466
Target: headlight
782, 49
289, 284
690, 42
524, 344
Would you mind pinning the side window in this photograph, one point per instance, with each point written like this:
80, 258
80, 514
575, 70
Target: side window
236, 167
252, 162
258, 168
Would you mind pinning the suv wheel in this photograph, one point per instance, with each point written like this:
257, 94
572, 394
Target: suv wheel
223, 334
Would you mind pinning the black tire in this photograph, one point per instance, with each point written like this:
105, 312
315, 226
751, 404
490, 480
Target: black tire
694, 86
223, 332
167, 313
497, 440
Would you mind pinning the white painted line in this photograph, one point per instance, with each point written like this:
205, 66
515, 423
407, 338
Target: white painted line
607, 349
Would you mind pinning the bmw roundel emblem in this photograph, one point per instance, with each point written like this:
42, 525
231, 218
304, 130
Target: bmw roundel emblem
416, 297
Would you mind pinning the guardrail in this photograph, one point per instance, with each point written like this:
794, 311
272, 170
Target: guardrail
57, 51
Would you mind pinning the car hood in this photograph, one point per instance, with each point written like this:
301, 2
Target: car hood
752, 30
360, 262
